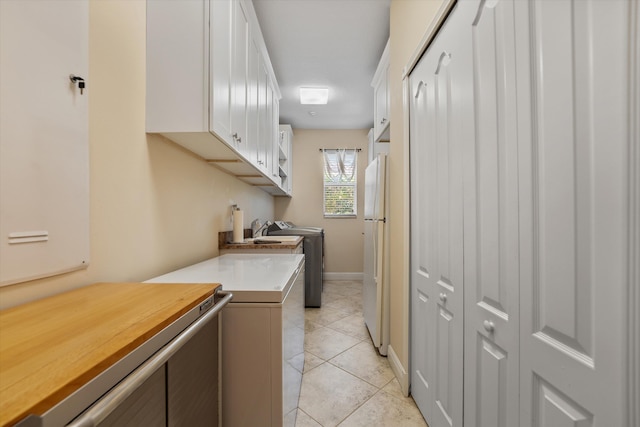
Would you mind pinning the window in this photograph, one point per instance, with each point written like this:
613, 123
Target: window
340, 183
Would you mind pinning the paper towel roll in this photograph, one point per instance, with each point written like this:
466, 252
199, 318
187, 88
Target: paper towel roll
238, 230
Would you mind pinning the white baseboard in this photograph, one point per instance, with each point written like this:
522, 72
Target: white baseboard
342, 276
399, 371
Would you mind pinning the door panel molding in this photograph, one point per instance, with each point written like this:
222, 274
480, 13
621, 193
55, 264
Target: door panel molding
491, 377
554, 408
563, 155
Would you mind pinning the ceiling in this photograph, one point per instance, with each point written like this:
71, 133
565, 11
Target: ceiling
331, 43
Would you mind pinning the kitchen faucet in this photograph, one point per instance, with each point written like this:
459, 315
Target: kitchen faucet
258, 229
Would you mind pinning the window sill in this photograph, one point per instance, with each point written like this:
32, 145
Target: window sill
340, 216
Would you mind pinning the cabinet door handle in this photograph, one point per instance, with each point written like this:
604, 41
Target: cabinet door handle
443, 297
489, 326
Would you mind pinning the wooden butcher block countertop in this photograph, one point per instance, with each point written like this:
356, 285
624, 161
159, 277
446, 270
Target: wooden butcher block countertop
51, 347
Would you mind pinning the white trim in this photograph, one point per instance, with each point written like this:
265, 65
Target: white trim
429, 35
406, 231
399, 371
343, 276
633, 248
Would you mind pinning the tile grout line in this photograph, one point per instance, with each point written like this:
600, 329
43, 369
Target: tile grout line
359, 339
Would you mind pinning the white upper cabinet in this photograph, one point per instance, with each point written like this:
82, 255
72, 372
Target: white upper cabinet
275, 136
263, 118
239, 73
219, 73
381, 110
249, 145
211, 87
285, 154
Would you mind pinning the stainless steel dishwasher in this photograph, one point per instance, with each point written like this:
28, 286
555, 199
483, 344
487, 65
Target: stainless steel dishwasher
178, 386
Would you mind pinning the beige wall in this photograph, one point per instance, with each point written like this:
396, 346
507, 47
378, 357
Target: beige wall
154, 206
343, 237
409, 22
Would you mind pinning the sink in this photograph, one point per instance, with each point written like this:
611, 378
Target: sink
278, 238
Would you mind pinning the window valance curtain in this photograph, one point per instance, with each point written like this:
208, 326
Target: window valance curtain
340, 165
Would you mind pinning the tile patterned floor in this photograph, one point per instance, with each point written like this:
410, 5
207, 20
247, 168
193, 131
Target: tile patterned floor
345, 381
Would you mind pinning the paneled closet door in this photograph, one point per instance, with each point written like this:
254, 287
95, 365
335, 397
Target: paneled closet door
491, 223
572, 119
440, 86
422, 174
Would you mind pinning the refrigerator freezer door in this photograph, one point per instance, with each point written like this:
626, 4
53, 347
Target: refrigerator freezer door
374, 179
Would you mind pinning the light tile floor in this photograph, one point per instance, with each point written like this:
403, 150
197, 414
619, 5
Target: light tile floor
345, 381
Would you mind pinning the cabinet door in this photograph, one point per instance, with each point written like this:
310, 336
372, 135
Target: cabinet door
263, 120
285, 157
247, 363
274, 138
220, 68
240, 31
382, 103
145, 407
192, 380
250, 146
492, 279
290, 163
572, 123
440, 86
268, 135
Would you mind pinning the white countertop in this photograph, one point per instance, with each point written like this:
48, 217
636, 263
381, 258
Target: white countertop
250, 277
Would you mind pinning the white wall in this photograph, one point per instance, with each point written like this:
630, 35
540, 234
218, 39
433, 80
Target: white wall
344, 237
154, 206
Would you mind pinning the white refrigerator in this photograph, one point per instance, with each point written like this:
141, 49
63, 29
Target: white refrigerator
375, 269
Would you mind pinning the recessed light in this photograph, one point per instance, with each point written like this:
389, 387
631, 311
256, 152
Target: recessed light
314, 95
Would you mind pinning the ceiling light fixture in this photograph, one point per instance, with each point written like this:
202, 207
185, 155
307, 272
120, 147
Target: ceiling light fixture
314, 95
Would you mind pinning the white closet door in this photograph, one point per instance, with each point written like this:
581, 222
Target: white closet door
422, 239
491, 224
572, 119
441, 86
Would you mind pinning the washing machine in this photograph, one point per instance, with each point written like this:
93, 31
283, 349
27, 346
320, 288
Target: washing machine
313, 248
